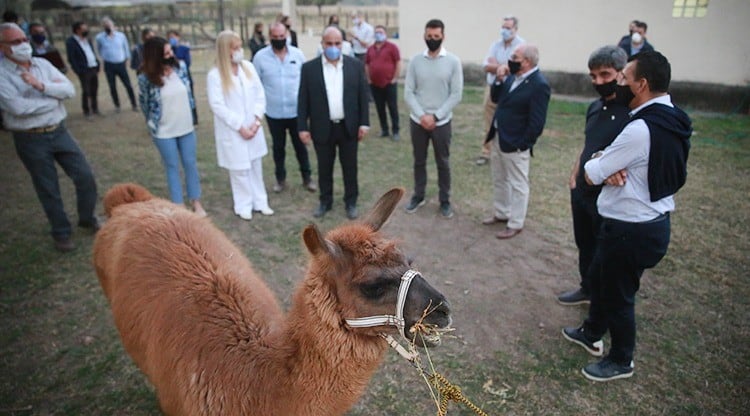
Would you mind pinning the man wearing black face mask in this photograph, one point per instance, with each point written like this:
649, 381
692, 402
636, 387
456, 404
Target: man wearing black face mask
279, 67
605, 119
42, 48
434, 85
84, 63
641, 170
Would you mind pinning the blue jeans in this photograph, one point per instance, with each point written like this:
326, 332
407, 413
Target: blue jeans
39, 152
172, 152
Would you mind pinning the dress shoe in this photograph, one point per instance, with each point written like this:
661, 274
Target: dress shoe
351, 212
64, 244
493, 220
321, 210
508, 233
309, 185
384, 134
93, 225
279, 186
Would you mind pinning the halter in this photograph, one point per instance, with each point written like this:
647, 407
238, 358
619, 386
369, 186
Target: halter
395, 320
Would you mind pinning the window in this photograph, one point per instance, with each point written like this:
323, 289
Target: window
690, 8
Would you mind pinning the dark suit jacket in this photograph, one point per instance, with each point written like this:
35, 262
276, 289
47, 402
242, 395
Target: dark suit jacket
76, 56
627, 46
521, 113
312, 104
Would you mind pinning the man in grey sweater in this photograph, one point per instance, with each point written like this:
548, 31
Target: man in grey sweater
434, 85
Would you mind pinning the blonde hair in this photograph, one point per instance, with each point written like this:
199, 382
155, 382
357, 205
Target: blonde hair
224, 59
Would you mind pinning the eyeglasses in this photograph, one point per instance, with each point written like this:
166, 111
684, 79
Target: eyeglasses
16, 42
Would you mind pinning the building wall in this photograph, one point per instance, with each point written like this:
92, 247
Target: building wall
712, 49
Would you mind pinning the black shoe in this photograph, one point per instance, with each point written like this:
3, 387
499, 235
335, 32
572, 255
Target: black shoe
384, 133
64, 244
93, 225
351, 212
446, 210
577, 335
574, 297
414, 204
321, 210
606, 370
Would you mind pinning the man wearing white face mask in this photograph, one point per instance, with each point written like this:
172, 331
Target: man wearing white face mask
495, 65
32, 91
362, 35
637, 42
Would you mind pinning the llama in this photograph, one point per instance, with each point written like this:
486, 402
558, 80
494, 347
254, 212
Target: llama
210, 335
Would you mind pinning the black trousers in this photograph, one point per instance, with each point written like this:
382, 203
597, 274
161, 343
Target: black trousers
326, 154
441, 145
387, 95
624, 250
89, 88
112, 70
278, 128
586, 224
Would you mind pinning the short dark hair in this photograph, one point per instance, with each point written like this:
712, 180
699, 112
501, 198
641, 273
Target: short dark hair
381, 27
655, 68
435, 24
76, 25
10, 16
35, 24
641, 24
173, 32
609, 56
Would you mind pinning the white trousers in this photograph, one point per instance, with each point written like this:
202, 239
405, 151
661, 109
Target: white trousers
510, 178
248, 189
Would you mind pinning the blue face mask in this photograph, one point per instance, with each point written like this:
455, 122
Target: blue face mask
379, 37
173, 42
332, 53
506, 34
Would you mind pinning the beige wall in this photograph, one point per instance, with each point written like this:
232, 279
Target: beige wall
714, 49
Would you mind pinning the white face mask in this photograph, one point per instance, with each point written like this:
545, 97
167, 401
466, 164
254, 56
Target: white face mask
21, 52
636, 38
238, 56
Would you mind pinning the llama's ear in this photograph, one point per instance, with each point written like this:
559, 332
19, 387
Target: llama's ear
384, 208
315, 242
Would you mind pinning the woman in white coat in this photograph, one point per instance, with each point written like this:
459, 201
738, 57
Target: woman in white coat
236, 97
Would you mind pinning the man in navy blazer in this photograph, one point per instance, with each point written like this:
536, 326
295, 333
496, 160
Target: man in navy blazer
519, 118
332, 111
83, 61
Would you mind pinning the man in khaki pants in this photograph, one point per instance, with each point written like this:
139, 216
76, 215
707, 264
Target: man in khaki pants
496, 66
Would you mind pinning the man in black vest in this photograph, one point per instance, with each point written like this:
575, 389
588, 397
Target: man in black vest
642, 169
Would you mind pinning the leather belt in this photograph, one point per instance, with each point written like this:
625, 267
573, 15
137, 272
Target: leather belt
45, 129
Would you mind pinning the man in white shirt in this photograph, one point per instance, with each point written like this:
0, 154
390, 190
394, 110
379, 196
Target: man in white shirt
32, 91
642, 169
83, 61
332, 112
362, 35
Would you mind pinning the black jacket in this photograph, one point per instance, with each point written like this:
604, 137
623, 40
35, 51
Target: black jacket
76, 56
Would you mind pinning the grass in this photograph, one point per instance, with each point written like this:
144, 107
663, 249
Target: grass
60, 353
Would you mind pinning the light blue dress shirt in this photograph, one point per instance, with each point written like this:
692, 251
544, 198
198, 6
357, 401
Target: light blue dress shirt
113, 49
280, 80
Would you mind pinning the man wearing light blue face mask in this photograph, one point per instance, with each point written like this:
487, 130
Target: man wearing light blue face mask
495, 64
383, 66
332, 112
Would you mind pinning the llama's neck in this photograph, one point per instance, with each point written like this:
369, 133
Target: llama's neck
326, 360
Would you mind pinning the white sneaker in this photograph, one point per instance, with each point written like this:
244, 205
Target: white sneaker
266, 211
246, 214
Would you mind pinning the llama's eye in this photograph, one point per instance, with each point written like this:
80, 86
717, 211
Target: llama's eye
373, 290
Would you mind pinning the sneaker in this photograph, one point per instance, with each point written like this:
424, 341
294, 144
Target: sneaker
384, 133
446, 210
482, 160
396, 137
309, 185
606, 370
577, 335
574, 297
64, 244
266, 211
414, 204
246, 215
279, 186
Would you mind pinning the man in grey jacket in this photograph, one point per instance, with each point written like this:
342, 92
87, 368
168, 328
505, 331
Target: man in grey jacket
434, 85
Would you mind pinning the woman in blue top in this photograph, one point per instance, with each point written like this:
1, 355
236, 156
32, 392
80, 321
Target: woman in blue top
163, 84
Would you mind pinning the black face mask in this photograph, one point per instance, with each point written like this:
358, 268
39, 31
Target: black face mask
605, 90
278, 44
85, 34
624, 95
108, 30
171, 61
433, 44
514, 67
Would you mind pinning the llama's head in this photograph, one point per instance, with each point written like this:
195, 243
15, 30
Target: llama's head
363, 272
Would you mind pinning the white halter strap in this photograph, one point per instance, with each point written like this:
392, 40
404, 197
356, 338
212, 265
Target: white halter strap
398, 319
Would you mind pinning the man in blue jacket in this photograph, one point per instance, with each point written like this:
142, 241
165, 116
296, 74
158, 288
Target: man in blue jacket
519, 118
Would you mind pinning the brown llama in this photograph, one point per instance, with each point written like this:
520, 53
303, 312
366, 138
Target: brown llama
210, 335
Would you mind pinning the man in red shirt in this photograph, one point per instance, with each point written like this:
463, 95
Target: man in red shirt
383, 66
